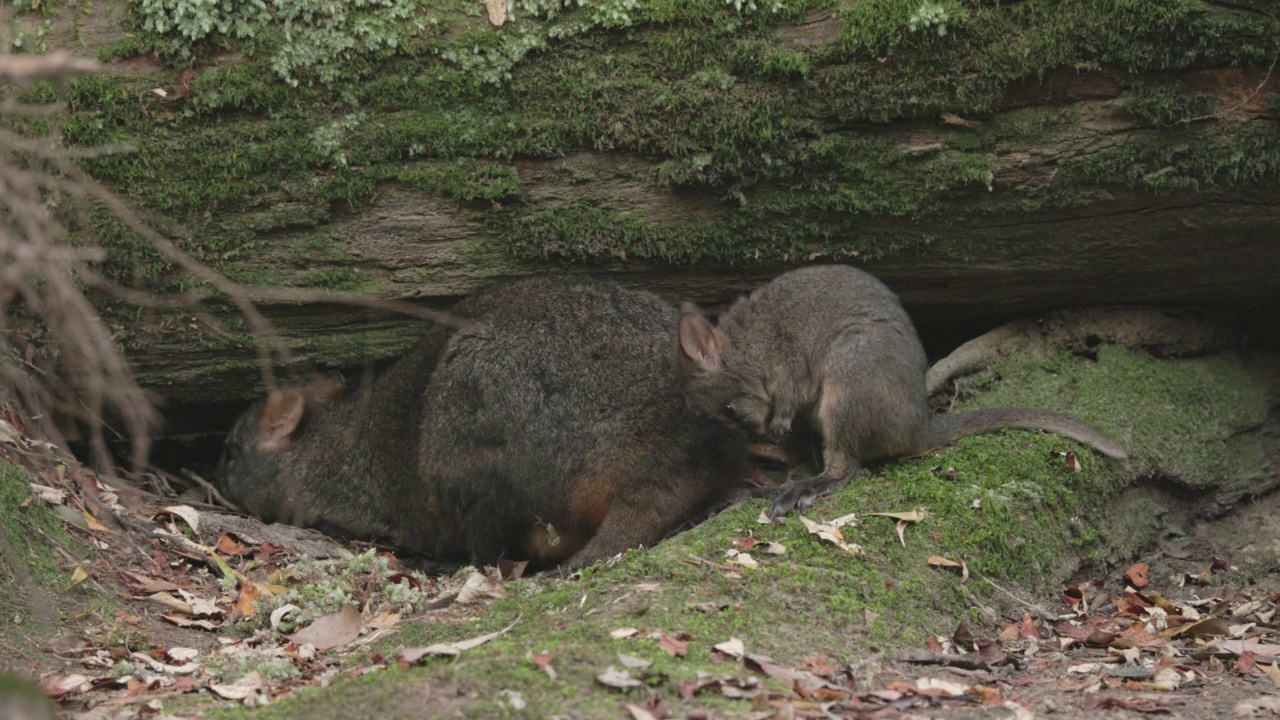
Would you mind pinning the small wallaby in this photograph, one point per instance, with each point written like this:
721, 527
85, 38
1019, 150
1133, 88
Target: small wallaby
831, 348
551, 428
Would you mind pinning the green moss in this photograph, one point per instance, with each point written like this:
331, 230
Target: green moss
778, 139
1169, 102
27, 525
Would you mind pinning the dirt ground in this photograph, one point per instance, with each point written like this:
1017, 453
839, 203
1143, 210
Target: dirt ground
1039, 665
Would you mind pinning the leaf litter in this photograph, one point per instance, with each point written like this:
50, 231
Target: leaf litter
1130, 649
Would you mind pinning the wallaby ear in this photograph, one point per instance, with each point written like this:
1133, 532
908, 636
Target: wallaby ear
280, 417
325, 389
700, 343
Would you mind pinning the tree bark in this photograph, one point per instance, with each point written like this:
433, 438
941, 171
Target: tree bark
1135, 163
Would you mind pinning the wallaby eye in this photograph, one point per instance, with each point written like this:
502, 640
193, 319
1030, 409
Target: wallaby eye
729, 411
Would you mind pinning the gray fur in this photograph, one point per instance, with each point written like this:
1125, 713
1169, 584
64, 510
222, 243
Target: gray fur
552, 429
829, 348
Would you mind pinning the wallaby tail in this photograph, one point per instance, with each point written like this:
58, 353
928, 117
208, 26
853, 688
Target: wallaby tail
946, 429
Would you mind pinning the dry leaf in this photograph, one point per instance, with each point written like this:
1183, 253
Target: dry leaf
622, 633
935, 686
247, 689
912, 516
77, 576
850, 520
497, 11
1207, 626
186, 512
1136, 575
832, 535
188, 622
278, 614
675, 647
412, 655
634, 663
614, 678
733, 647
480, 587
331, 631
544, 663
171, 602
639, 713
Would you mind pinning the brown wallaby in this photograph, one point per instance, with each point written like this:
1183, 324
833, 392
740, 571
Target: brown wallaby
831, 347
551, 428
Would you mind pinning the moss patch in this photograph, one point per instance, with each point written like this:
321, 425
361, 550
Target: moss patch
35, 573
284, 120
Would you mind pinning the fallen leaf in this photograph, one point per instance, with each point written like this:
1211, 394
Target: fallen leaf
278, 614
936, 686
515, 700
186, 512
383, 620
764, 519
1239, 646
1207, 626
330, 631
850, 520
1268, 704
1136, 575
622, 633
171, 602
77, 576
733, 647
544, 664
912, 516
614, 678
832, 535
248, 600
51, 496
181, 621
639, 713
675, 647
1073, 463
497, 11
67, 644
62, 684
741, 558
200, 606
939, 561
480, 587
247, 689
412, 655
228, 547
634, 663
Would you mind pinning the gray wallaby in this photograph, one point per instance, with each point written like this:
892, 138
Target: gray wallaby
831, 348
551, 427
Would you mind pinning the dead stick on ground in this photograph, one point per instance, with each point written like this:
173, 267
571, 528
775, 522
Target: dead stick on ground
1045, 614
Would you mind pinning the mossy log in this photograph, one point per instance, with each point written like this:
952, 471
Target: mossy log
987, 160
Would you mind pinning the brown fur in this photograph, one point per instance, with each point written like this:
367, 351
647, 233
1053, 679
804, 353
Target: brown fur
830, 349
559, 407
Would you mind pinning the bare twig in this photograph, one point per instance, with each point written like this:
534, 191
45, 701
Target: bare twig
1043, 613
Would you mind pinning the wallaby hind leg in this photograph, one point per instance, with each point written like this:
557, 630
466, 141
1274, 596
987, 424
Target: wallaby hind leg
643, 517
